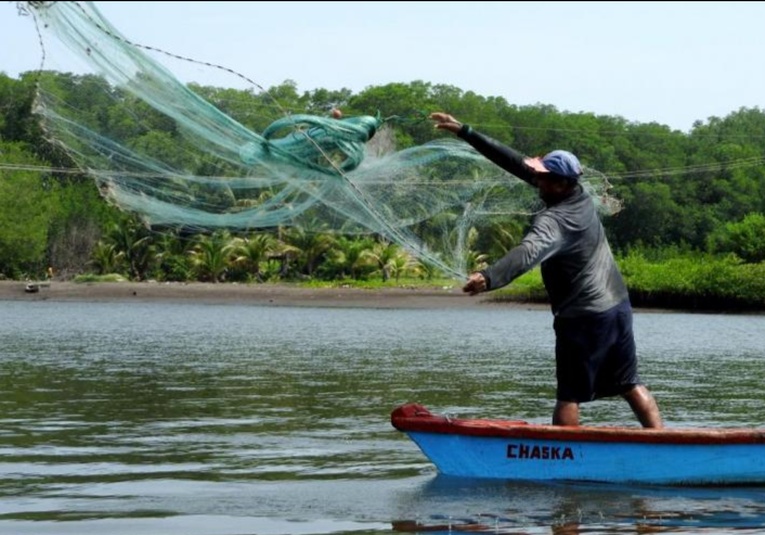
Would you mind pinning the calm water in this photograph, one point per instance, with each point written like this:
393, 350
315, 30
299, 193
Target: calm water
236, 420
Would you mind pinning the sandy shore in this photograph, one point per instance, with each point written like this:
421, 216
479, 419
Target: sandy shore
254, 294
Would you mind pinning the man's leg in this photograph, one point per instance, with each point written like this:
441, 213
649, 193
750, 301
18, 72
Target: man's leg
644, 406
566, 413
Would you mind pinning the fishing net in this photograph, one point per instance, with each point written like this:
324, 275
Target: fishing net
199, 157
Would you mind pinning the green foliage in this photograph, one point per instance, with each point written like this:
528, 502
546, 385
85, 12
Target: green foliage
210, 255
250, 254
162, 147
745, 238
683, 193
308, 249
650, 217
171, 260
16, 123
694, 281
108, 277
526, 288
348, 259
377, 283
77, 223
132, 243
105, 258
27, 199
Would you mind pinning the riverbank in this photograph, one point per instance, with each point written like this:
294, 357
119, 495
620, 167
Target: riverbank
249, 294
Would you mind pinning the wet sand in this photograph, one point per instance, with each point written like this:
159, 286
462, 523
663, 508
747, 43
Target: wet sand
251, 294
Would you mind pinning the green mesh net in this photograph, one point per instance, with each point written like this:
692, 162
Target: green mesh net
201, 157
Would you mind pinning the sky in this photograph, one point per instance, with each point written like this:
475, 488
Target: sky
672, 63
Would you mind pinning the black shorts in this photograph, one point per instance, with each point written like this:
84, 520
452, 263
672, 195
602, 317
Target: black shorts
595, 356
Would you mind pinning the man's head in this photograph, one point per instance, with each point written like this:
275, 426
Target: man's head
557, 174
560, 163
563, 164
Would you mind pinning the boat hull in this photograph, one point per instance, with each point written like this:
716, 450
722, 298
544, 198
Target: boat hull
516, 450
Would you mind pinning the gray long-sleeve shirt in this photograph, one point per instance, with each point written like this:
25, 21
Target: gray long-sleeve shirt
568, 240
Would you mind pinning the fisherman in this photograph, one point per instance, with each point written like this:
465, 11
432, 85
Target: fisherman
595, 353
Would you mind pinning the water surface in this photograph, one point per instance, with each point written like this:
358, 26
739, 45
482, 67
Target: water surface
192, 419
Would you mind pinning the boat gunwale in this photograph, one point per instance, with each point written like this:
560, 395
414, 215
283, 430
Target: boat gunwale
413, 417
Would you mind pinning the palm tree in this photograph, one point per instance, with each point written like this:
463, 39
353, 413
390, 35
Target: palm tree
310, 246
172, 257
401, 263
210, 255
499, 237
426, 270
383, 255
250, 253
132, 241
105, 259
474, 260
350, 255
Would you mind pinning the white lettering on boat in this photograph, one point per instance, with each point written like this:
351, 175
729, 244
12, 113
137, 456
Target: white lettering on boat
546, 453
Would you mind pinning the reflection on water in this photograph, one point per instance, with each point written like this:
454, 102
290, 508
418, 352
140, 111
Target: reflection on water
190, 419
518, 507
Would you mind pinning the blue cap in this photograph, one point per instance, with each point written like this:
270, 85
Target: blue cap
563, 163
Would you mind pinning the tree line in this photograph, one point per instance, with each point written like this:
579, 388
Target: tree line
698, 194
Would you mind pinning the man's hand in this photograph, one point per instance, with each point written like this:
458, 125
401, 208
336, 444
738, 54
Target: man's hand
444, 121
475, 284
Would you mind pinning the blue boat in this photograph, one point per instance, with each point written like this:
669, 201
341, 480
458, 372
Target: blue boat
517, 450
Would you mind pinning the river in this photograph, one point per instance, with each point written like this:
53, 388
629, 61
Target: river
194, 419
